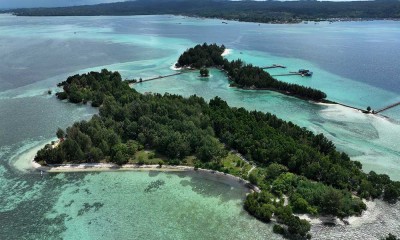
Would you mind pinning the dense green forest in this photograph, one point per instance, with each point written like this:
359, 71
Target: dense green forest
291, 161
243, 75
250, 11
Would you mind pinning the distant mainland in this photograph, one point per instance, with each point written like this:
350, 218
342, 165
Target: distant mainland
247, 11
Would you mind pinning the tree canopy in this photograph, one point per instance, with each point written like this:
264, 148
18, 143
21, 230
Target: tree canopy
243, 75
291, 161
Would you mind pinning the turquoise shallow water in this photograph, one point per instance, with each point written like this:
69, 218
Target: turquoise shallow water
125, 205
355, 63
129, 205
157, 205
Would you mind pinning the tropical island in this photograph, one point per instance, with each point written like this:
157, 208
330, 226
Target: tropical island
243, 75
296, 170
248, 11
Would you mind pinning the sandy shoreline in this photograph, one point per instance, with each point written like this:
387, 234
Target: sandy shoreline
103, 167
366, 216
93, 167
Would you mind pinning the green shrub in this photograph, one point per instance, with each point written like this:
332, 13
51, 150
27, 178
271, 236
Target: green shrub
278, 229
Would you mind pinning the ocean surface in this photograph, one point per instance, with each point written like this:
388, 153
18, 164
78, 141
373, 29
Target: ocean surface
355, 63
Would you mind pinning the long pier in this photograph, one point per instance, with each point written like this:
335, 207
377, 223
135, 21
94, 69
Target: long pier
158, 77
274, 66
179, 73
286, 74
387, 107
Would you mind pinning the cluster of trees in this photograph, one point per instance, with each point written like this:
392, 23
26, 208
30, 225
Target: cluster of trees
243, 75
250, 11
94, 87
292, 161
249, 76
172, 125
266, 139
314, 198
202, 56
264, 205
204, 72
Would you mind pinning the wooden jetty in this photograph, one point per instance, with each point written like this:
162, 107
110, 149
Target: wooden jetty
158, 77
301, 72
286, 74
387, 107
274, 66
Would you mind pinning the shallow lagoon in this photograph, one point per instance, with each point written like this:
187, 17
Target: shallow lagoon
355, 63
129, 205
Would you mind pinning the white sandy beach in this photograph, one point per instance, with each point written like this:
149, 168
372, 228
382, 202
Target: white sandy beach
21, 161
98, 167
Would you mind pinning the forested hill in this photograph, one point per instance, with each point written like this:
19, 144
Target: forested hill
291, 161
251, 11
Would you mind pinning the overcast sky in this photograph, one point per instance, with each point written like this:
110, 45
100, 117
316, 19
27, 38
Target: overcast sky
58, 3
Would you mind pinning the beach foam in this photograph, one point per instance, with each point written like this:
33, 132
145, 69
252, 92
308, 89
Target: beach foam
173, 67
226, 52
